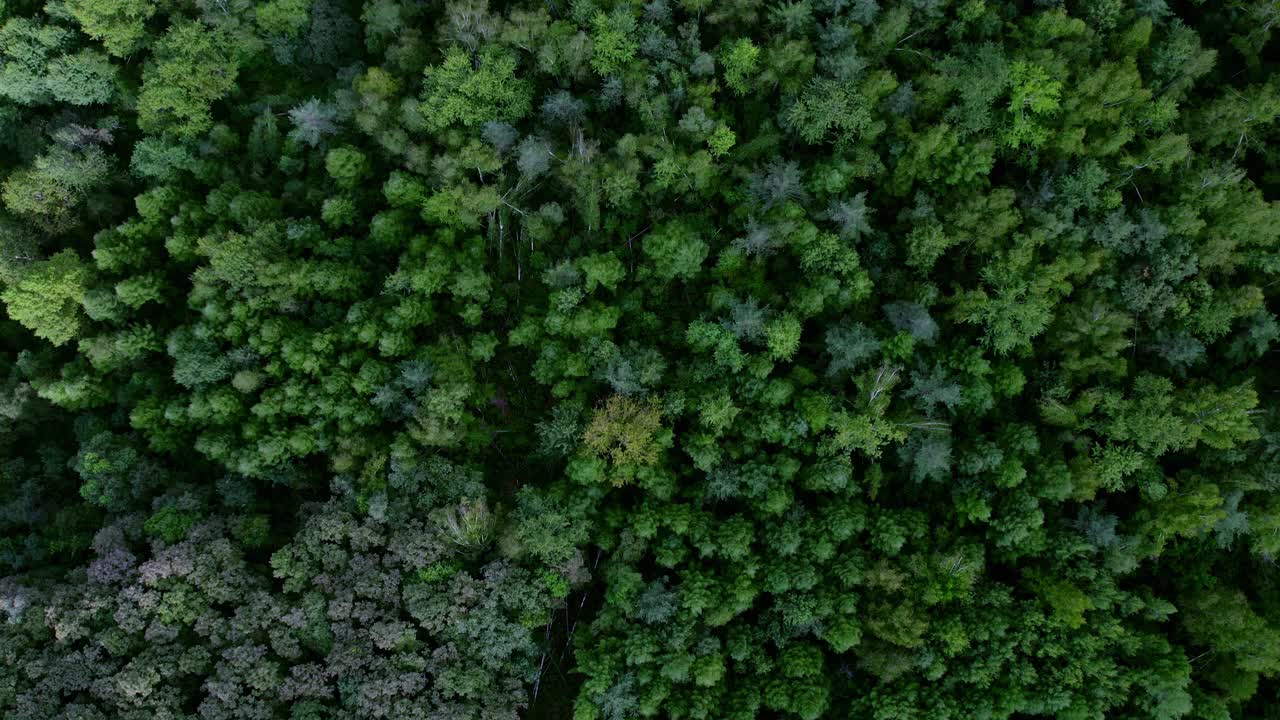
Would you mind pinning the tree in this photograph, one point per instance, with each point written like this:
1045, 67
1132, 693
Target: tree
624, 431
29, 47
828, 108
1034, 95
675, 250
192, 67
121, 26
458, 91
55, 185
740, 59
612, 43
47, 298
85, 78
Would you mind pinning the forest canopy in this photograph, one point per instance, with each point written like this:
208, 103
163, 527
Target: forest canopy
617, 359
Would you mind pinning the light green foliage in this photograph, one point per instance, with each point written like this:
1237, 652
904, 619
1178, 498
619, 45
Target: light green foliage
676, 250
283, 17
158, 159
51, 190
46, 300
941, 154
978, 78
460, 91
193, 66
119, 24
1223, 619
1034, 96
783, 337
829, 109
28, 47
740, 59
347, 166
170, 524
612, 44
604, 270
85, 78
926, 243
722, 140
1238, 118
623, 430
1158, 420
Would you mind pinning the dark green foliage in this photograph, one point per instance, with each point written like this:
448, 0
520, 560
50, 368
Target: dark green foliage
609, 360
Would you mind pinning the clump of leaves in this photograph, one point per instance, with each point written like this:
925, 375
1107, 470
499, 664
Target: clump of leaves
469, 525
624, 430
